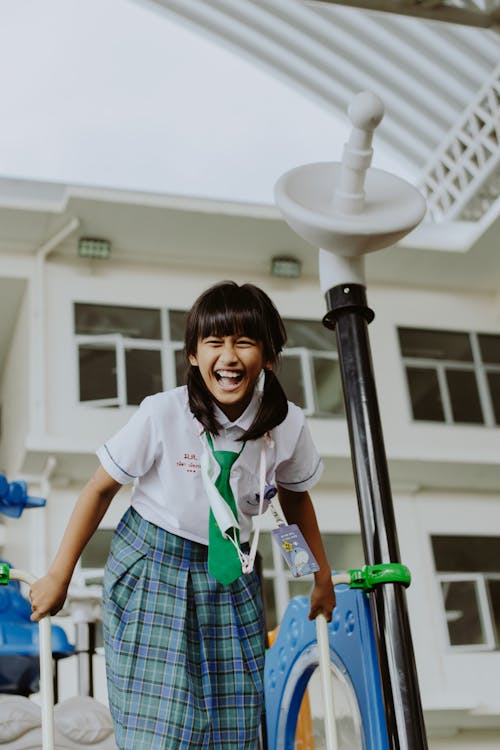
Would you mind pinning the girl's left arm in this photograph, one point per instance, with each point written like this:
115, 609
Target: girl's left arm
298, 508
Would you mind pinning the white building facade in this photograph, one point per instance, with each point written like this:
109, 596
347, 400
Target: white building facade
85, 340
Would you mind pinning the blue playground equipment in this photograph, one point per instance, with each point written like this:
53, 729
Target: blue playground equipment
19, 637
19, 641
294, 656
14, 498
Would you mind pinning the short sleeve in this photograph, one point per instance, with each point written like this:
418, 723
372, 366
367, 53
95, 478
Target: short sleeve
130, 453
304, 468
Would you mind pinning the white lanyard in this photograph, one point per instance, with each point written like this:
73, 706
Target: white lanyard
222, 512
249, 563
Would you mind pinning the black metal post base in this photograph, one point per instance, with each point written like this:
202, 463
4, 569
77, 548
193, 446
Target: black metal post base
348, 314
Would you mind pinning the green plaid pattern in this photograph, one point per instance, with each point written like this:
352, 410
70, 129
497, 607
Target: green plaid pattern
184, 654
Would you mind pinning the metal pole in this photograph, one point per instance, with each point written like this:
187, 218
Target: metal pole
348, 314
325, 673
85, 648
46, 667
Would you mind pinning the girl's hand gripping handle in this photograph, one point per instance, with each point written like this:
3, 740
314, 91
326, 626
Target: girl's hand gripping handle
47, 596
322, 599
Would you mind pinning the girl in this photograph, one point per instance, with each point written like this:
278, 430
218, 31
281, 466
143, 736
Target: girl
182, 608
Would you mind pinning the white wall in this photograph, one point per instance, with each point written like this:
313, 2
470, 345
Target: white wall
107, 283
15, 394
447, 678
467, 740
458, 311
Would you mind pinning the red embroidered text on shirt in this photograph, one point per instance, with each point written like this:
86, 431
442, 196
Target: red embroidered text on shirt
189, 462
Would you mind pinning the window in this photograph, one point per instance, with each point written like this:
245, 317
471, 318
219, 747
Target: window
469, 578
309, 371
127, 353
344, 551
452, 377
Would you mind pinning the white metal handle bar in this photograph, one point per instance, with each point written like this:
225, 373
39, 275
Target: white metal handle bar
46, 675
326, 683
325, 673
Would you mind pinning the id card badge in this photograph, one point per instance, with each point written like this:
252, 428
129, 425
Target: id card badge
295, 550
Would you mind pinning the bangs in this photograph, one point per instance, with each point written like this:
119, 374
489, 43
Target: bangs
237, 321
231, 310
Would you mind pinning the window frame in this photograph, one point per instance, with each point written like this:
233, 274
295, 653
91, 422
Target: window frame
306, 357
105, 338
479, 368
121, 343
307, 377
484, 609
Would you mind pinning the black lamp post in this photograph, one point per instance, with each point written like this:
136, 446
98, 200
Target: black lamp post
348, 210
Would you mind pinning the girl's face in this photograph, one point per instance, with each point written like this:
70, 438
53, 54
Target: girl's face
230, 367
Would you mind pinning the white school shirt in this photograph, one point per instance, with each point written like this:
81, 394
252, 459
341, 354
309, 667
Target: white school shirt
159, 451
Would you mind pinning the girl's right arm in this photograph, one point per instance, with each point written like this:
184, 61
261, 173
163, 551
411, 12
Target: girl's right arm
48, 593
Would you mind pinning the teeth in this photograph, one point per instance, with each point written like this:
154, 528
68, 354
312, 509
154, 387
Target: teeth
227, 374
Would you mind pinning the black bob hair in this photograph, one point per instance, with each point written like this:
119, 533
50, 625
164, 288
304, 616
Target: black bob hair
227, 309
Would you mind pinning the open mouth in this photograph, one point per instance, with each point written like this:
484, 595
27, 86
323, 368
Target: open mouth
228, 378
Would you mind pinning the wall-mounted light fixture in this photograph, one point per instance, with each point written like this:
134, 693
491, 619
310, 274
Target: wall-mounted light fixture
94, 247
285, 266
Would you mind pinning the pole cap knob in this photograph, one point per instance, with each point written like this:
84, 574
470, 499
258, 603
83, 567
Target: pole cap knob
366, 110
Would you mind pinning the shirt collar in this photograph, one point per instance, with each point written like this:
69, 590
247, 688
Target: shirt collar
244, 420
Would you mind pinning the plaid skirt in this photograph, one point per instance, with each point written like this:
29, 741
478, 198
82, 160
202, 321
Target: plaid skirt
184, 654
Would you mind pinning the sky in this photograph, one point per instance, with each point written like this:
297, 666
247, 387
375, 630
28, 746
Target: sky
114, 93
